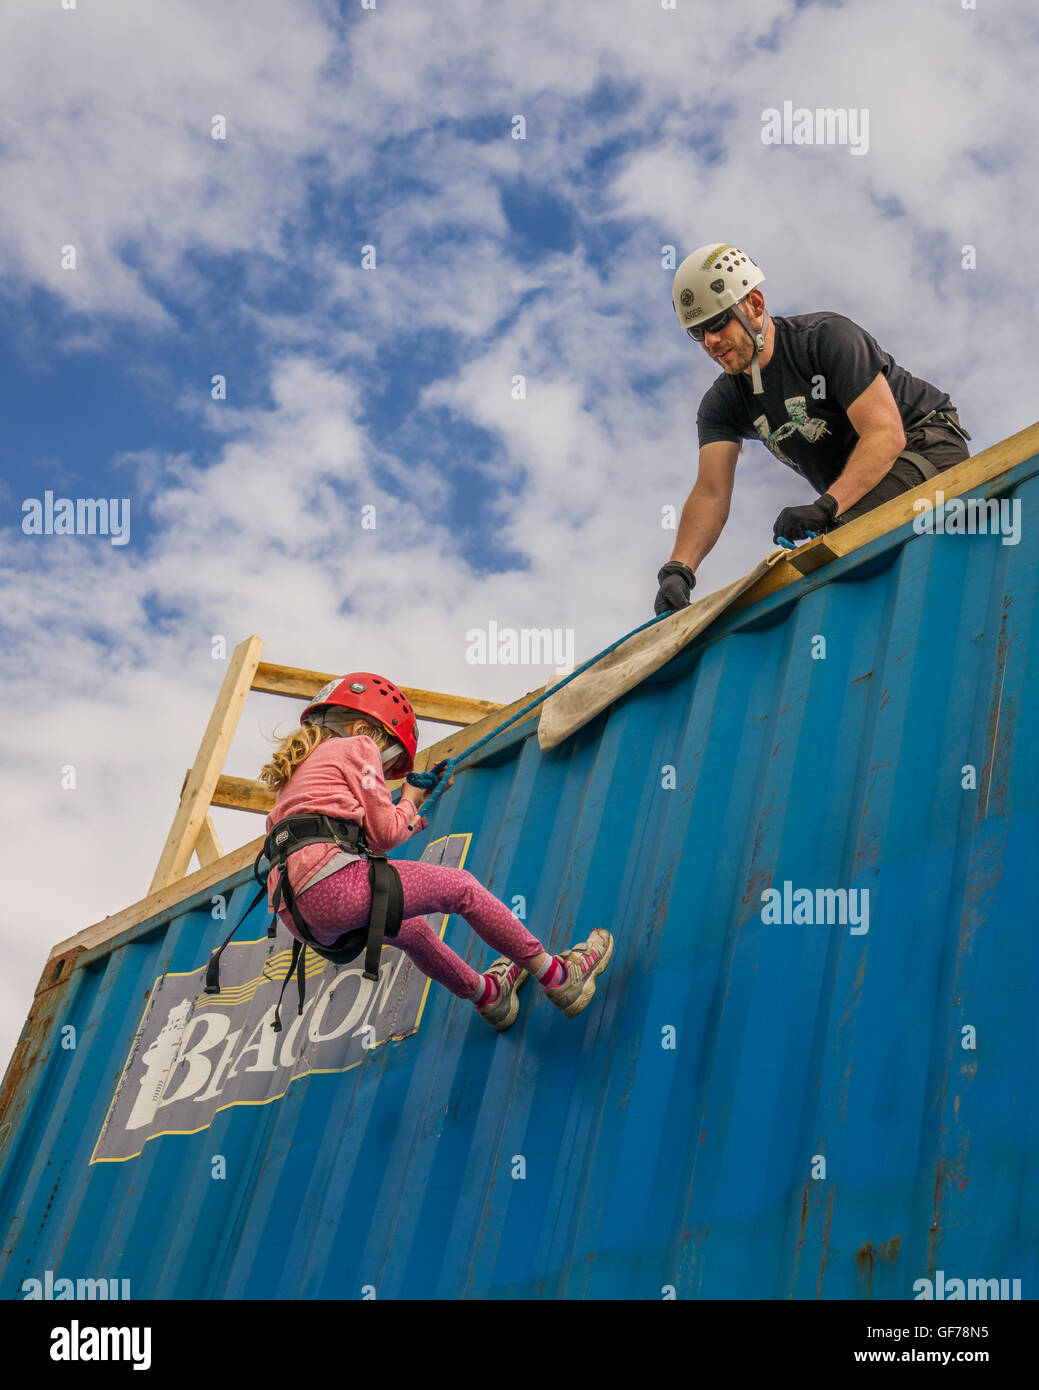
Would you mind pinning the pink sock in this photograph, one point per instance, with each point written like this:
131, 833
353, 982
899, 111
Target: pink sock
552, 973
490, 989
487, 993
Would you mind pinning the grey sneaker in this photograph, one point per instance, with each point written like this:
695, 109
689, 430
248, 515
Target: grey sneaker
584, 962
502, 1013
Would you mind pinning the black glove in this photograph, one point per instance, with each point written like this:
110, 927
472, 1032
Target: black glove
794, 523
675, 580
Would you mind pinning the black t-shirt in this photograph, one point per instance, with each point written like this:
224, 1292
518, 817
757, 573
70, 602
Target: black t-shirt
820, 363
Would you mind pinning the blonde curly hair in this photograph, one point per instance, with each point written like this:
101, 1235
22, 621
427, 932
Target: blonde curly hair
297, 746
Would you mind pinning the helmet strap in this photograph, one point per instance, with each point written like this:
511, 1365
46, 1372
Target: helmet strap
757, 337
391, 754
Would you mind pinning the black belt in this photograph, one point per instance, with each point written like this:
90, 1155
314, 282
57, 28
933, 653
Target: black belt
296, 831
948, 416
384, 919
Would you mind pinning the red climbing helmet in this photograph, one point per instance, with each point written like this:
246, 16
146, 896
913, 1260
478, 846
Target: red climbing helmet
375, 696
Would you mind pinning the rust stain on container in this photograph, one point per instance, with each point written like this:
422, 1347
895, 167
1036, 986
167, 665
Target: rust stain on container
757, 883
950, 1173
826, 1243
871, 839
995, 773
759, 879
934, 1240
865, 1255
855, 992
800, 1240
32, 1050
804, 1215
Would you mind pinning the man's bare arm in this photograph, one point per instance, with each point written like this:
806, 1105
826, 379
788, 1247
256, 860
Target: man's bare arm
707, 507
876, 420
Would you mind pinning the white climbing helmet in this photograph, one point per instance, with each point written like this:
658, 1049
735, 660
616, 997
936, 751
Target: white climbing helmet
712, 280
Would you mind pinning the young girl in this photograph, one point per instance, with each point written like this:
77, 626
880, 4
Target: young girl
357, 732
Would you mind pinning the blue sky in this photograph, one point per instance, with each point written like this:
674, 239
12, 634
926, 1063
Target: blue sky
347, 387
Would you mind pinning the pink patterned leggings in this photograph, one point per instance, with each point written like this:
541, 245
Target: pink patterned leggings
341, 902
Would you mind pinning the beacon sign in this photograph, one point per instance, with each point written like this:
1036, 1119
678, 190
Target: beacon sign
196, 1054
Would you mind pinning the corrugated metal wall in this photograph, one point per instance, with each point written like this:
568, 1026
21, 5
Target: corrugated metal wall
818, 1129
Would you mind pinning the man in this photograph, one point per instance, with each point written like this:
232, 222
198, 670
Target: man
819, 393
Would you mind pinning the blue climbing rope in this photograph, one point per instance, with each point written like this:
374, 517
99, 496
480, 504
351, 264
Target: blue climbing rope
440, 774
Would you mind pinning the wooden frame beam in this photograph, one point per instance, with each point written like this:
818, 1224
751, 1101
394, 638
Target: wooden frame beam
197, 794
297, 683
243, 794
207, 844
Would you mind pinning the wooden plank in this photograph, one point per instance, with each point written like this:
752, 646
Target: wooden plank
198, 790
806, 559
436, 708
207, 846
297, 683
978, 473
243, 794
294, 682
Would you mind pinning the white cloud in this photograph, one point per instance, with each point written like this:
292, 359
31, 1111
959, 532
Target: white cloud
108, 147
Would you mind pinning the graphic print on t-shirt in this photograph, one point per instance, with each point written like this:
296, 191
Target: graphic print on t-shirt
799, 423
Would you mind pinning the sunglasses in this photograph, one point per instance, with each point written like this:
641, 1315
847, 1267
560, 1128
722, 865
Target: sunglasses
714, 325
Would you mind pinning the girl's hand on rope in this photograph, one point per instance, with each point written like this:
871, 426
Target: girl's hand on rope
420, 785
417, 790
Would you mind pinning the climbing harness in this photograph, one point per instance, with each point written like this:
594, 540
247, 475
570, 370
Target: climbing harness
384, 918
950, 420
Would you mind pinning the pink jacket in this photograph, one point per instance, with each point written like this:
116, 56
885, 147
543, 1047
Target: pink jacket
343, 777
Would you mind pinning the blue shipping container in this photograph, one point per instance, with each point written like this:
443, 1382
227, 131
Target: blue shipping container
748, 1109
